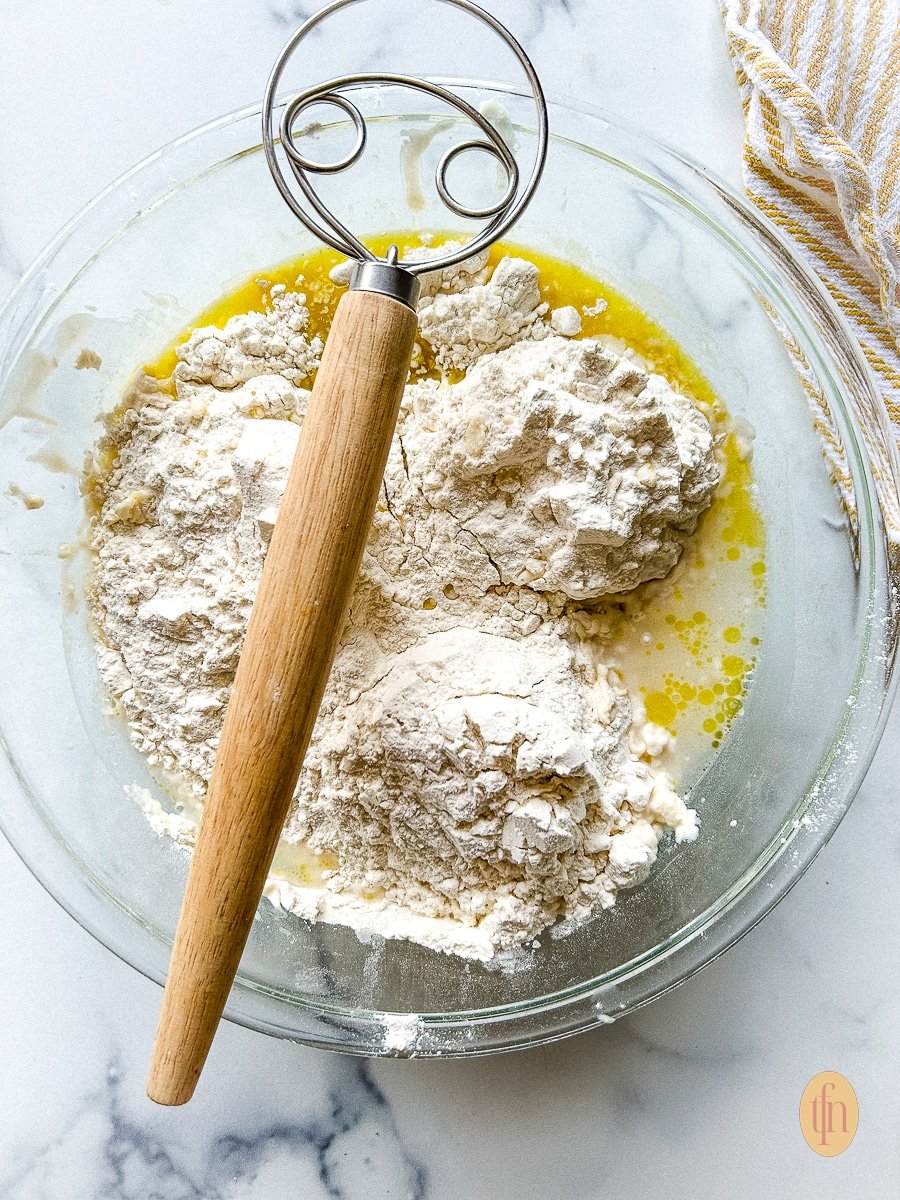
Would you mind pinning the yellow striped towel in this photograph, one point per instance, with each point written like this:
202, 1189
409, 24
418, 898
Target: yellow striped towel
820, 87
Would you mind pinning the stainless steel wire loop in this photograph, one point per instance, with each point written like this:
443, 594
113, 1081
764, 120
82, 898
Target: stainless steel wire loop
500, 214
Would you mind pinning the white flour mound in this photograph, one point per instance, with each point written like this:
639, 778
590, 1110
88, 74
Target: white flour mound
473, 775
487, 778
575, 470
485, 317
253, 344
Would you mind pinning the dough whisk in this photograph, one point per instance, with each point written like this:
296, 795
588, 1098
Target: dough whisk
319, 536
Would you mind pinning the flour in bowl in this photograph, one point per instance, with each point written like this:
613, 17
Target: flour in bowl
476, 772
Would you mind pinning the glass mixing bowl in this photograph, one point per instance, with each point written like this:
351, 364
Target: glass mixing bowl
169, 238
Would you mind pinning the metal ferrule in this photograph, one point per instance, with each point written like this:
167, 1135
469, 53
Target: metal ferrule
388, 278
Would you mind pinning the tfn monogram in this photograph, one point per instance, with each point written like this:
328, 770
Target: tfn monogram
829, 1113
823, 1113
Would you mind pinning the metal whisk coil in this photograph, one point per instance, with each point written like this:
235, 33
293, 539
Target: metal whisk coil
318, 218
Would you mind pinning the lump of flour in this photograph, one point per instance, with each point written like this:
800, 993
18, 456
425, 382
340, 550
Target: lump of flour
179, 544
463, 325
488, 779
465, 312
474, 775
575, 470
251, 344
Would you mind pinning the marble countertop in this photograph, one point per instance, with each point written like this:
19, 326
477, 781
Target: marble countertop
696, 1096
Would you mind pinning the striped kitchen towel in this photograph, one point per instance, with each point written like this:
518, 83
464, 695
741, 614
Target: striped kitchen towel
820, 87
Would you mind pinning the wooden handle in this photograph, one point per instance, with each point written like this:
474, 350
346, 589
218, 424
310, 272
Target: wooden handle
292, 637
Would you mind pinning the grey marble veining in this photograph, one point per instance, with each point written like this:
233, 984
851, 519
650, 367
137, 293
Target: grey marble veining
693, 1098
343, 1143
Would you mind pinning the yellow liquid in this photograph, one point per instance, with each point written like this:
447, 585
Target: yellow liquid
684, 646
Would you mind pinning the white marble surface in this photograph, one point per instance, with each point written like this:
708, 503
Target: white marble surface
697, 1096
